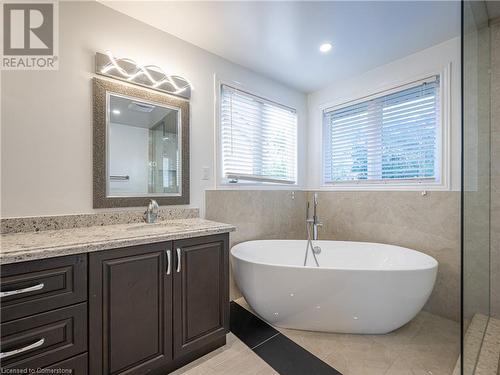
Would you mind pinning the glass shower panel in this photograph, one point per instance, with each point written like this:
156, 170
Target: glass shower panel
164, 155
476, 181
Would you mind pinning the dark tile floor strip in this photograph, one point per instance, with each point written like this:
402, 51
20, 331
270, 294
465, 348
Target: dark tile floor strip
249, 328
282, 354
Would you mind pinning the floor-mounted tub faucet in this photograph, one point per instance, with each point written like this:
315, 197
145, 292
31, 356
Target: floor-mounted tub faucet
151, 213
314, 221
312, 226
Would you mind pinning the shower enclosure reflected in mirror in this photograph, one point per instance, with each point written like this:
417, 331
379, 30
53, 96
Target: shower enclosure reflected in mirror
140, 146
143, 148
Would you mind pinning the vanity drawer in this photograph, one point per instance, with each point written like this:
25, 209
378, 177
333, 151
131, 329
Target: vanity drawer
44, 339
29, 288
75, 366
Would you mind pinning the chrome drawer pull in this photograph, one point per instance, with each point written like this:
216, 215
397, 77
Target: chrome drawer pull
168, 262
21, 291
178, 259
36, 344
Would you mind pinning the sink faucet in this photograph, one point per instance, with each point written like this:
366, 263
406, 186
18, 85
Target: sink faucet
314, 221
151, 213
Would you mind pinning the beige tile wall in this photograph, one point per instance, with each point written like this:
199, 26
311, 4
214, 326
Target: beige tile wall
495, 169
429, 224
257, 214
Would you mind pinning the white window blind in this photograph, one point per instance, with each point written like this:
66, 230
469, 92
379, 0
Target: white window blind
258, 139
389, 138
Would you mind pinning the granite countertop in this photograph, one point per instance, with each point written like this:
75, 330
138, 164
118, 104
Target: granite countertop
20, 247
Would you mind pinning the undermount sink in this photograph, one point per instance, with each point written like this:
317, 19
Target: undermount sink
154, 226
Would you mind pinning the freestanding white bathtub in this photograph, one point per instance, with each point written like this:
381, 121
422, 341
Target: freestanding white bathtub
359, 287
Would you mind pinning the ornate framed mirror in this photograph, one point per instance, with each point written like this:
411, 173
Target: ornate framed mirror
141, 146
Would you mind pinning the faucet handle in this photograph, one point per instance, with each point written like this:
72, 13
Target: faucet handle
153, 205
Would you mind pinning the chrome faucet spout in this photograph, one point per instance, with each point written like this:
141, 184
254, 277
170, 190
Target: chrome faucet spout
151, 213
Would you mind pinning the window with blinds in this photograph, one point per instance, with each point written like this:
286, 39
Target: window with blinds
258, 139
388, 138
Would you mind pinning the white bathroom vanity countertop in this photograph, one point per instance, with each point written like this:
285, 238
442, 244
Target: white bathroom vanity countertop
21, 247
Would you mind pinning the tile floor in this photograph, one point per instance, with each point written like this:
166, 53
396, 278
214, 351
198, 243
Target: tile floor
235, 358
473, 339
429, 345
284, 355
489, 357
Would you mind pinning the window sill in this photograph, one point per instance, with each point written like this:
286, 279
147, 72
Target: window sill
384, 187
257, 187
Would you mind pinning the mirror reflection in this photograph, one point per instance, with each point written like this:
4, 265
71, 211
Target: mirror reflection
143, 145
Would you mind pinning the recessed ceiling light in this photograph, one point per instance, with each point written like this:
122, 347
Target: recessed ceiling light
325, 47
116, 111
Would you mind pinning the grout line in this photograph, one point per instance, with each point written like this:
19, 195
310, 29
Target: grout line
266, 340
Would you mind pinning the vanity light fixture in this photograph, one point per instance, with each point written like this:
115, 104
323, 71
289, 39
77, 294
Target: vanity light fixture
150, 76
325, 47
116, 111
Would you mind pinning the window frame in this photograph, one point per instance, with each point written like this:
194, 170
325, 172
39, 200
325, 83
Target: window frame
443, 136
221, 181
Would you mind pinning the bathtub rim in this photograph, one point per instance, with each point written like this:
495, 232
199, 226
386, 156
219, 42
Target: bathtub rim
434, 266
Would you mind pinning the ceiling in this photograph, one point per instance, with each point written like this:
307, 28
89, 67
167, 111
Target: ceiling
280, 40
125, 111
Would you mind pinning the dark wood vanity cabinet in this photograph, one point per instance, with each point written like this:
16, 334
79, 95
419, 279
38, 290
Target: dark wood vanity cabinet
201, 293
155, 307
44, 314
150, 308
130, 309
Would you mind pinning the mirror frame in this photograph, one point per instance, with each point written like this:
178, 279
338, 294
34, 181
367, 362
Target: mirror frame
101, 87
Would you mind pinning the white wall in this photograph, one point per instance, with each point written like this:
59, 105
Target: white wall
128, 156
47, 115
416, 66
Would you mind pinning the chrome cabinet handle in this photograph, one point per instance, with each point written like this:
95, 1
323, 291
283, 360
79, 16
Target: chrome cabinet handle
21, 291
169, 263
10, 353
179, 259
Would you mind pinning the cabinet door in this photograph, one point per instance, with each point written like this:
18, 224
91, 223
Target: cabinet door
201, 292
130, 310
